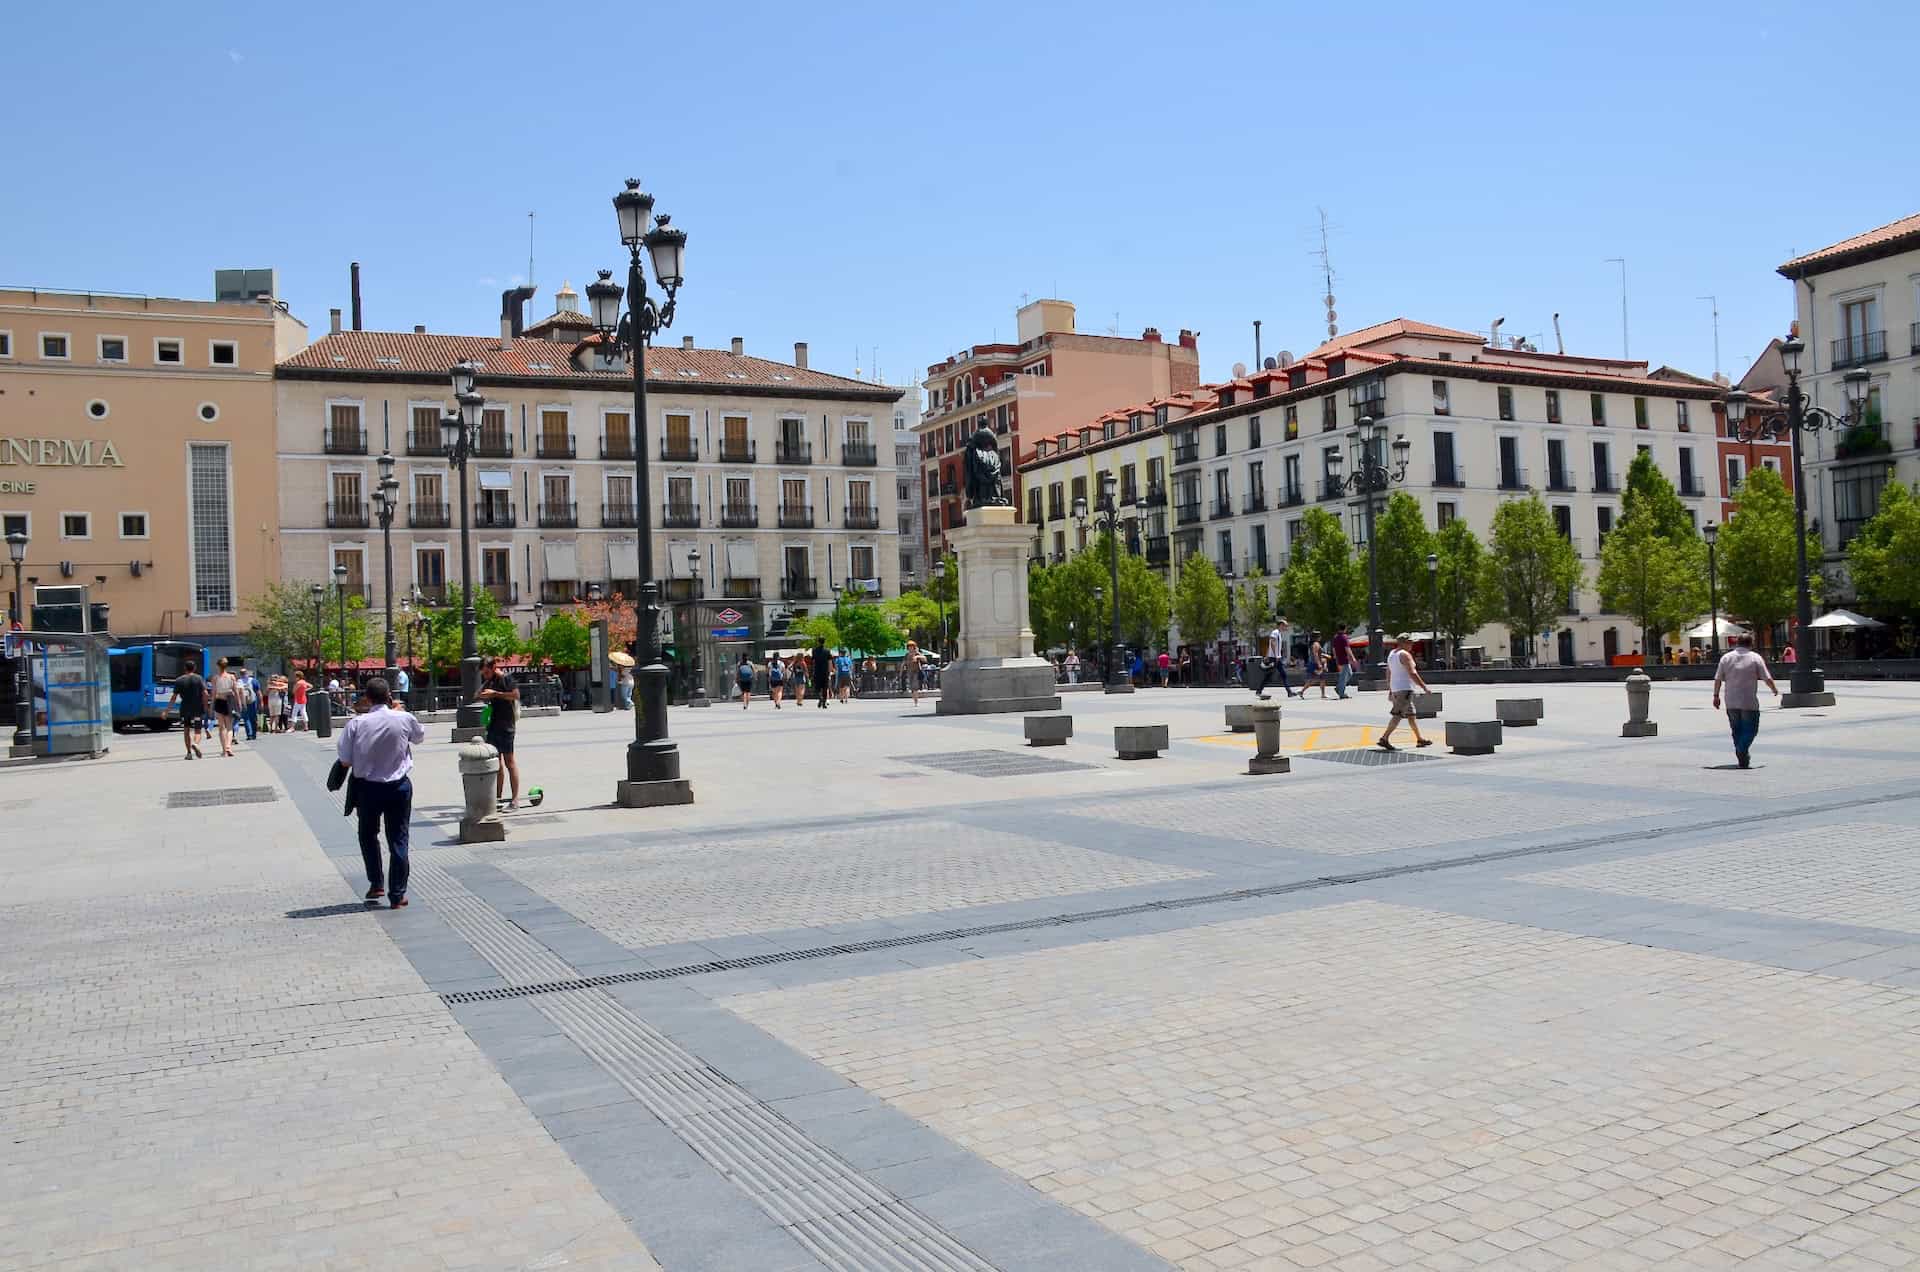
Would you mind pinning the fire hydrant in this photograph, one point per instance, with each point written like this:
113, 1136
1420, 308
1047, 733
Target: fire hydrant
479, 774
1639, 692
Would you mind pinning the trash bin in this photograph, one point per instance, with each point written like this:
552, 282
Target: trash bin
320, 707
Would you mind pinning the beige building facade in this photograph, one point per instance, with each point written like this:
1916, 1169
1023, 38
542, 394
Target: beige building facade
768, 489
136, 451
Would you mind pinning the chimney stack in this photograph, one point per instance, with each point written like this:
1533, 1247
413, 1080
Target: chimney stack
1151, 335
686, 342
506, 332
419, 328
739, 346
356, 295
800, 354
333, 326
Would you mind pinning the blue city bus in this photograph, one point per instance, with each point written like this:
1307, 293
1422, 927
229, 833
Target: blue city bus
141, 677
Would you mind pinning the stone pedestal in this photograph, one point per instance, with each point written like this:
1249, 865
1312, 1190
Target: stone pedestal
631, 794
1639, 699
467, 721
1266, 740
1824, 698
480, 820
997, 670
1052, 729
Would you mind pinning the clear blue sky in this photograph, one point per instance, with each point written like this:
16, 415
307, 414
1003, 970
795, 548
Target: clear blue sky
898, 175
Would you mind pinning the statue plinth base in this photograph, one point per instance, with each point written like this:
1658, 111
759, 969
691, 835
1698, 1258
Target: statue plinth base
997, 670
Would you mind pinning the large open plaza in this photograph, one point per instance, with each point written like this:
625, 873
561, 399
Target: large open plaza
900, 992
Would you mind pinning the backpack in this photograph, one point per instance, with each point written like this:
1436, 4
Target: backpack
744, 674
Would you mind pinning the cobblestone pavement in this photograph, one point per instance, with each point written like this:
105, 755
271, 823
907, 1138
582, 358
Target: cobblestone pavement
1588, 1002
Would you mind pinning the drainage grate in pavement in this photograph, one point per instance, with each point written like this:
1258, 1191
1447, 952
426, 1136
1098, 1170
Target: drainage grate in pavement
1365, 757
992, 763
540, 819
227, 795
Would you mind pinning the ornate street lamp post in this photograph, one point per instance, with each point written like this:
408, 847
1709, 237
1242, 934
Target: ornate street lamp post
459, 436
1433, 590
1807, 684
653, 760
22, 686
1370, 478
1711, 532
940, 573
1106, 518
319, 594
698, 697
340, 591
426, 643
406, 625
386, 501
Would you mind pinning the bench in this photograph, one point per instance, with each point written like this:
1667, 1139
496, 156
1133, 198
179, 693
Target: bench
1240, 717
1519, 712
1139, 741
1473, 737
1051, 729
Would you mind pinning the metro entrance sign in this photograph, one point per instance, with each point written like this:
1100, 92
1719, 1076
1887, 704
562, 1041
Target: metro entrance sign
728, 617
730, 624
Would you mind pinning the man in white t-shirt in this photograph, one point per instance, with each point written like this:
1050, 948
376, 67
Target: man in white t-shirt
1402, 676
1277, 654
1740, 673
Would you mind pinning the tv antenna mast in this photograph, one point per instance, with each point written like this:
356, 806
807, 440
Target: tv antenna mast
1715, 302
1326, 274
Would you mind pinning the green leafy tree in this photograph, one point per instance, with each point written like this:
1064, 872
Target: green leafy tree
1649, 491
1531, 570
1145, 603
817, 627
1199, 600
1323, 585
1658, 582
1754, 554
493, 631
284, 626
562, 642
1253, 610
918, 615
1463, 607
1884, 557
864, 629
1401, 544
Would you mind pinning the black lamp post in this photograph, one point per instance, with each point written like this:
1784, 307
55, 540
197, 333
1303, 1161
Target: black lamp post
1807, 685
406, 625
1710, 532
22, 688
1106, 519
459, 437
698, 696
652, 757
1433, 591
940, 596
426, 643
319, 593
340, 590
386, 501
1371, 477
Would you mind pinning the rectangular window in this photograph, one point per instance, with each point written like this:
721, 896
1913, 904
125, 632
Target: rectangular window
1079, 491
1443, 513
55, 345
1253, 433
1439, 397
167, 352
1223, 543
1512, 476
6, 344
793, 492
429, 488
133, 525
1129, 484
680, 493
1156, 474
430, 568
1603, 522
1597, 408
619, 430
739, 493
14, 523
496, 567
1444, 471
1033, 505
1602, 467
1640, 413
494, 438
1290, 473
113, 348
1686, 471
1734, 473
1219, 440
1563, 520
1553, 406
223, 353
1256, 486
343, 427
1680, 417
858, 432
76, 525
1506, 403
211, 535
860, 497
1329, 415
860, 563
1293, 422
1557, 465
346, 488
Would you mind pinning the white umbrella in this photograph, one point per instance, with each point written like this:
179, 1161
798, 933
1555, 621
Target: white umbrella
1845, 618
1703, 630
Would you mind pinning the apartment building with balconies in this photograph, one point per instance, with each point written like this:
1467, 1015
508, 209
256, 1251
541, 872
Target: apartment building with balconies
1857, 305
1068, 471
765, 483
1051, 379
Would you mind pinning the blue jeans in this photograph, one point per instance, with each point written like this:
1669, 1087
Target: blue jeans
251, 718
1346, 674
1746, 727
390, 803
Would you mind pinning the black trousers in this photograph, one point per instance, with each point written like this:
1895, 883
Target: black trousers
388, 804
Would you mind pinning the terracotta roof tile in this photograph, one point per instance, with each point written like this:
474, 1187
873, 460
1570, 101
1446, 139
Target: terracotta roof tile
1871, 243
1391, 329
348, 353
560, 320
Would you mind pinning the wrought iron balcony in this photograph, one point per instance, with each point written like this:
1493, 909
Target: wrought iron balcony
1691, 487
1450, 476
559, 516
680, 516
428, 516
741, 589
680, 449
738, 450
1221, 508
346, 514
344, 441
498, 516
862, 519
505, 593
1256, 501
619, 516
1156, 496
739, 516
859, 455
682, 589
1187, 454
494, 444
1187, 513
1292, 496
425, 445
786, 451
1603, 483
796, 516
553, 446
1512, 477
799, 588
1325, 490
616, 447
1559, 481
1858, 350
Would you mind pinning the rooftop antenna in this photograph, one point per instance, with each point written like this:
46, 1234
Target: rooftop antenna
1115, 329
530, 250
1715, 302
1326, 273
1621, 261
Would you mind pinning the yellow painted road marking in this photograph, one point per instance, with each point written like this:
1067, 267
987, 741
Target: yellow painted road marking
1335, 737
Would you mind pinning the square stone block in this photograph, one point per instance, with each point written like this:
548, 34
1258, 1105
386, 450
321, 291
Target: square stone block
1051, 729
630, 794
1639, 729
1240, 717
1269, 764
1473, 737
1139, 741
1519, 711
1426, 705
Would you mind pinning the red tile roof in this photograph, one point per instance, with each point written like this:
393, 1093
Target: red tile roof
1388, 330
406, 354
560, 320
1884, 241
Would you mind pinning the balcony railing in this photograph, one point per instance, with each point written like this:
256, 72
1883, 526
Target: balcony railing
859, 455
428, 516
616, 448
559, 516
425, 445
1221, 508
1255, 561
862, 519
430, 594
786, 451
1157, 549
739, 516
1292, 496
344, 441
620, 516
738, 450
553, 446
680, 516
1560, 481
498, 516
1325, 490
1449, 476
1691, 488
682, 589
1913, 338
1187, 513
740, 589
1188, 454
1854, 351
1603, 483
680, 449
352, 587
346, 514
1056, 512
1129, 496
1156, 496
799, 588
796, 516
494, 444
1256, 501
1512, 477
504, 593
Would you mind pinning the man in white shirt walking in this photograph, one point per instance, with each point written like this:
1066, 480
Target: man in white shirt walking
1277, 660
1740, 673
1402, 676
377, 746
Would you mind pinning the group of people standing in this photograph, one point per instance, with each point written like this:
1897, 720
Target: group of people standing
223, 706
829, 673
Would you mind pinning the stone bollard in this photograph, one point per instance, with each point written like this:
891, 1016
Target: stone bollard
1266, 740
1639, 692
1051, 729
480, 821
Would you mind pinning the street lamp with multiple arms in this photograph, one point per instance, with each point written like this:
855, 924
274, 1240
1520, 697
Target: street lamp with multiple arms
459, 436
1807, 685
386, 501
1370, 478
1106, 518
1711, 532
1433, 590
340, 591
652, 757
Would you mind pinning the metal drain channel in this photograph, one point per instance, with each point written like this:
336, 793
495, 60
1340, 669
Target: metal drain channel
840, 1215
222, 796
